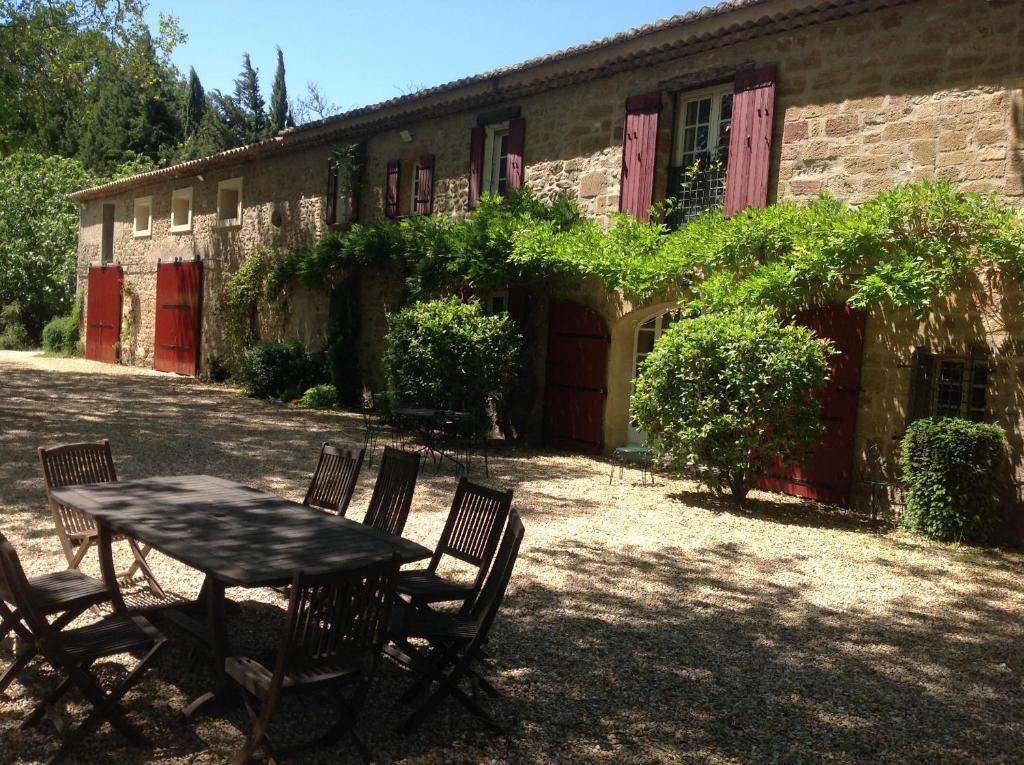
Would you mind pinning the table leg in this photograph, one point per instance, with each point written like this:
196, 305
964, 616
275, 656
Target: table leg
106, 554
215, 605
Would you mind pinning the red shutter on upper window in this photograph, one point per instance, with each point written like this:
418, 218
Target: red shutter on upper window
476, 164
639, 151
425, 185
750, 143
516, 149
391, 189
331, 212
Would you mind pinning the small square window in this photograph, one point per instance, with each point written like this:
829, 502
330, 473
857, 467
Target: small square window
229, 202
181, 210
143, 216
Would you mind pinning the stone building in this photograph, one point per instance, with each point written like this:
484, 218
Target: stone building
846, 96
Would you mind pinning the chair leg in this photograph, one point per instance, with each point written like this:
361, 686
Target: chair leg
76, 560
142, 564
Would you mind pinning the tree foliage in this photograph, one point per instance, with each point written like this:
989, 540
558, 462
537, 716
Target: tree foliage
729, 395
38, 234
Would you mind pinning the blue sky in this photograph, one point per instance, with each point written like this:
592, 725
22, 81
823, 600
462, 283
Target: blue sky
363, 52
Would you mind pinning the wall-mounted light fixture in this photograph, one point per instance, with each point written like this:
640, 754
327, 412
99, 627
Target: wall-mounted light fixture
405, 135
200, 178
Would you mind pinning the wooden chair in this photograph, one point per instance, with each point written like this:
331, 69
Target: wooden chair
334, 479
336, 628
392, 493
73, 652
72, 465
471, 535
67, 593
455, 640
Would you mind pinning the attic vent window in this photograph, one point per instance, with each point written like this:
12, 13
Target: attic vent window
143, 217
181, 210
229, 202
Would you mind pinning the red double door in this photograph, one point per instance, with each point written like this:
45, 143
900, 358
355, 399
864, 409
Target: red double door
575, 387
826, 474
179, 290
103, 314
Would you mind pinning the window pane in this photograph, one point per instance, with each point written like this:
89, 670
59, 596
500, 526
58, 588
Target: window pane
691, 113
688, 140
726, 111
705, 110
644, 342
949, 390
702, 138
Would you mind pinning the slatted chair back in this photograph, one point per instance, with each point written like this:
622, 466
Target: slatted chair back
14, 588
337, 618
493, 593
392, 493
334, 479
474, 525
72, 465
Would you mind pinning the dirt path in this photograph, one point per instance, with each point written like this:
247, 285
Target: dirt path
644, 625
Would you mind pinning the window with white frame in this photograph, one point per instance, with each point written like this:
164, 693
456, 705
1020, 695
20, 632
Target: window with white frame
700, 151
949, 386
497, 302
181, 210
414, 191
495, 180
229, 202
647, 334
143, 216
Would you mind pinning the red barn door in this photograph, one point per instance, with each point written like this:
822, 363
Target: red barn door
178, 303
827, 472
576, 379
103, 314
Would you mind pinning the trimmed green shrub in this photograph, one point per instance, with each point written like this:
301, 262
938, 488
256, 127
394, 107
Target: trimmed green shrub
320, 396
60, 336
731, 395
281, 370
954, 474
446, 354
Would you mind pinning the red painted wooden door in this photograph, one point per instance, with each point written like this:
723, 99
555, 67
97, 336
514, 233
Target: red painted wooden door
827, 472
103, 314
178, 304
576, 380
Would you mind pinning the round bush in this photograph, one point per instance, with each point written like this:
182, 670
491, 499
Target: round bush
954, 474
60, 335
281, 370
732, 394
320, 396
445, 354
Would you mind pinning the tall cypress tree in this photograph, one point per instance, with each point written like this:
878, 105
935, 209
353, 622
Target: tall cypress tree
245, 112
279, 113
195, 105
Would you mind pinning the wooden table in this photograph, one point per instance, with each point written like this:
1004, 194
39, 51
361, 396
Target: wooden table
236, 535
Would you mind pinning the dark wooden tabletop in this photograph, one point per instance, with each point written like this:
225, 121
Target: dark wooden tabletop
240, 535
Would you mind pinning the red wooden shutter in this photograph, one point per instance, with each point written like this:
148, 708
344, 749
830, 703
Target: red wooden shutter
750, 145
391, 189
331, 212
476, 164
516, 148
639, 150
425, 185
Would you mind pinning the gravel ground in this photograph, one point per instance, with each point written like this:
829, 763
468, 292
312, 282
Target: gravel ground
643, 624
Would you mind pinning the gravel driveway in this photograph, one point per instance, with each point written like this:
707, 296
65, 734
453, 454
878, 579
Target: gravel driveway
643, 625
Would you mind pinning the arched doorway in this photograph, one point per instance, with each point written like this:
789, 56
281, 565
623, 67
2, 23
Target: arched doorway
575, 387
646, 335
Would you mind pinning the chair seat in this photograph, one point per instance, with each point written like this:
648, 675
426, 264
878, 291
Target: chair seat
255, 677
109, 636
63, 589
428, 587
410, 622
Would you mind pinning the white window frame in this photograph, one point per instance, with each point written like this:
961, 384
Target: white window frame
638, 437
178, 227
497, 302
492, 156
714, 121
231, 184
145, 203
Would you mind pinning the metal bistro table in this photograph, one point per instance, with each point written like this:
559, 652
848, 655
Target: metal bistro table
431, 422
236, 535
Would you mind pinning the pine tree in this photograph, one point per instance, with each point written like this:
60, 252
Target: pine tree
244, 113
280, 114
